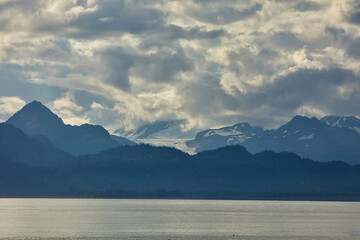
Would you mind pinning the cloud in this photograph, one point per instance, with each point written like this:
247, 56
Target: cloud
345, 40
117, 16
221, 13
213, 63
304, 6
67, 109
325, 90
348, 10
118, 62
286, 40
9, 106
176, 32
161, 66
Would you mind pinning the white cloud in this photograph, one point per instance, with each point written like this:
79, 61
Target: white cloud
96, 105
210, 62
9, 106
310, 111
67, 109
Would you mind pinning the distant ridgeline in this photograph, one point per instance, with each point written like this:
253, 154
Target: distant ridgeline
41, 156
330, 138
37, 120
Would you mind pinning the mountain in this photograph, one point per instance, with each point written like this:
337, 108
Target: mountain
215, 138
19, 180
122, 141
151, 172
147, 131
16, 146
310, 138
158, 129
350, 122
307, 137
228, 172
36, 119
161, 133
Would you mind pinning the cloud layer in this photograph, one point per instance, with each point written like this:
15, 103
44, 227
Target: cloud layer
125, 63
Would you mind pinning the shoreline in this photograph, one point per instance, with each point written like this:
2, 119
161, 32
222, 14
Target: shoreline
258, 197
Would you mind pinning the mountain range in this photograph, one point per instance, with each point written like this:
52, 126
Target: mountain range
330, 138
36, 161
18, 147
161, 133
37, 120
147, 171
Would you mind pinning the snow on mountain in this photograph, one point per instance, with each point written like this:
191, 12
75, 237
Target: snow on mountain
308, 137
350, 122
215, 138
162, 133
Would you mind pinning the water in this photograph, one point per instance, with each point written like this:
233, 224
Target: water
177, 219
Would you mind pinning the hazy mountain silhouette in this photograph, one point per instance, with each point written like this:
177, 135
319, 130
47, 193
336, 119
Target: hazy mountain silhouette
36, 119
33, 166
308, 137
19, 147
141, 170
122, 141
226, 172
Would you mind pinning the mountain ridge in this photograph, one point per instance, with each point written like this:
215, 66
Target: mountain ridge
19, 147
36, 119
308, 137
229, 172
31, 166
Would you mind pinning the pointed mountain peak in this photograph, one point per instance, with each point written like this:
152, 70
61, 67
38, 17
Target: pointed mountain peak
303, 119
300, 118
34, 116
35, 102
299, 122
35, 105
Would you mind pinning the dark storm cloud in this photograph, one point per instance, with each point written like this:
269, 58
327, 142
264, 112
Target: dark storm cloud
282, 97
355, 14
106, 17
118, 16
355, 18
304, 6
170, 34
307, 87
205, 98
19, 5
244, 61
118, 63
162, 67
159, 54
271, 102
351, 44
222, 15
13, 84
158, 67
176, 32
335, 91
286, 40
11, 8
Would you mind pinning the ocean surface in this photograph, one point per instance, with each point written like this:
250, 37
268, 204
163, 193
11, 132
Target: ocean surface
177, 219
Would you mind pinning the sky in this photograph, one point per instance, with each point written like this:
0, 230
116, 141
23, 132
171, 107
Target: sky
213, 63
